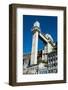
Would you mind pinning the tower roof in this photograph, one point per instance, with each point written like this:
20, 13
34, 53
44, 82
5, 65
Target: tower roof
37, 24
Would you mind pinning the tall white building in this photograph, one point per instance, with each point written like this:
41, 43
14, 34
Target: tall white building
35, 30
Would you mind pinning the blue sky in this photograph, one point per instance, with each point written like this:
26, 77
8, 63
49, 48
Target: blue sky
48, 24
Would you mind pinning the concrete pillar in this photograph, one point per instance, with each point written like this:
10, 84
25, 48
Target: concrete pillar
44, 53
35, 30
34, 48
50, 47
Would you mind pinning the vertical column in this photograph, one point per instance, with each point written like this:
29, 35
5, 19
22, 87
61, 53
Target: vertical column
44, 53
34, 48
50, 48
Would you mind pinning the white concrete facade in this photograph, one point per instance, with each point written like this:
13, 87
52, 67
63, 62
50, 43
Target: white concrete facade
34, 48
50, 47
44, 54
